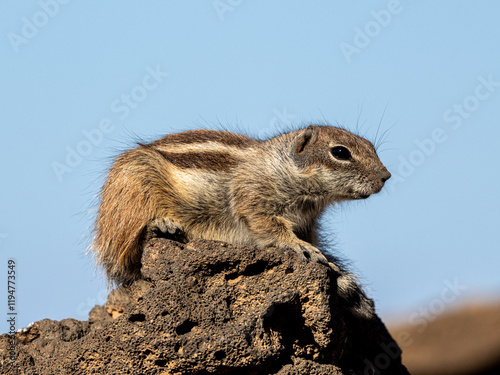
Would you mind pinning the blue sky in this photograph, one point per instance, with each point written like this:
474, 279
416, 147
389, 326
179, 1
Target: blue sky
81, 81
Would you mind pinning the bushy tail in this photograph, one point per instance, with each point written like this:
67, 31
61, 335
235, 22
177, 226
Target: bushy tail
127, 204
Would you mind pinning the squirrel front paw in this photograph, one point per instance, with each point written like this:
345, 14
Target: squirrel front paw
307, 252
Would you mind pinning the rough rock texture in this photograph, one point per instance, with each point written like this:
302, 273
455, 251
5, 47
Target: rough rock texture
211, 308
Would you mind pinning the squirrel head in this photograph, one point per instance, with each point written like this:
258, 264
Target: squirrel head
344, 162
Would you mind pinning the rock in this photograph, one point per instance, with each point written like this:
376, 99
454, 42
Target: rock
463, 341
207, 307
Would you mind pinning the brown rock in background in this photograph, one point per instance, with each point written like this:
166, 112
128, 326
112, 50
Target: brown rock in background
211, 308
462, 342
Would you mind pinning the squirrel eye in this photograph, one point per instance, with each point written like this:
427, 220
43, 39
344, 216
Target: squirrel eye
341, 153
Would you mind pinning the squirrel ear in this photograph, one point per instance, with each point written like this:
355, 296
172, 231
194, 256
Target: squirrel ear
306, 138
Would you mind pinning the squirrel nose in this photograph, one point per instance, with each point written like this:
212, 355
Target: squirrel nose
385, 176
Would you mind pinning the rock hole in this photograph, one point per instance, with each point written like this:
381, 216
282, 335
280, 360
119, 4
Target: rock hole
220, 354
255, 268
164, 313
286, 320
307, 255
161, 362
107, 338
231, 276
185, 327
289, 270
137, 318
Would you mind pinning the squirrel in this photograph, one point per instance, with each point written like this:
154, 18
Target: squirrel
218, 185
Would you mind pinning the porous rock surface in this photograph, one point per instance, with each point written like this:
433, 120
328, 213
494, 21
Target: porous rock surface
210, 308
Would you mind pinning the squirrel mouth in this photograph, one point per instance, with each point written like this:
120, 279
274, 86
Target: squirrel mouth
352, 195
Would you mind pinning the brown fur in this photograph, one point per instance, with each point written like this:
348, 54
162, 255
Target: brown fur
219, 185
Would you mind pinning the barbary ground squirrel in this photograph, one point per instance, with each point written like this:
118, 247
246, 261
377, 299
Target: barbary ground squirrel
219, 185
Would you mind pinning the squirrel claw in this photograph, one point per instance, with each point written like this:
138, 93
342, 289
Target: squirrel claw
308, 252
165, 227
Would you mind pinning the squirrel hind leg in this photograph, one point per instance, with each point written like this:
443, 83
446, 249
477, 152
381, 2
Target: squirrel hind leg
350, 292
355, 299
165, 228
